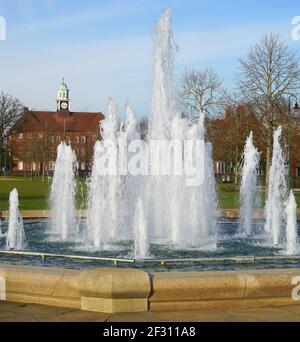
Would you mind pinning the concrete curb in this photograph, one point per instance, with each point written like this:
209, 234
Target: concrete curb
113, 290
192, 291
103, 290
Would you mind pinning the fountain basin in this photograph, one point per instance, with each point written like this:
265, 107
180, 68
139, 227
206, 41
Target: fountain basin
226, 251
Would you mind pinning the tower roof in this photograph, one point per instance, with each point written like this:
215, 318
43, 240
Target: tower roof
63, 86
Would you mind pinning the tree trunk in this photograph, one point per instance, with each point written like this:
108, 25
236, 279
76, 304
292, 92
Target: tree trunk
268, 164
236, 168
43, 172
1, 147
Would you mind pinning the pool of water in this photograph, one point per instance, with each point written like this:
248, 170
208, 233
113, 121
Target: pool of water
226, 244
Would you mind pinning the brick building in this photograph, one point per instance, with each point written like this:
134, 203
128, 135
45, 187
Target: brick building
34, 138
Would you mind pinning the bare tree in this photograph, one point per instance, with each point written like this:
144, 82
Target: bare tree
38, 148
44, 152
202, 91
268, 74
10, 112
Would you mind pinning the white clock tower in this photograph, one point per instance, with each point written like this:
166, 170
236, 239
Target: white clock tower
63, 99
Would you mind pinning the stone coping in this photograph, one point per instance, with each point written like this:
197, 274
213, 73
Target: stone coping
101, 289
221, 213
196, 290
112, 290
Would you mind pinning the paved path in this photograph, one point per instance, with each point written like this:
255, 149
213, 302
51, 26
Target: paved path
16, 312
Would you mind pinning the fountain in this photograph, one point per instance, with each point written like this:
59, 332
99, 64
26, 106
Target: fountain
113, 194
141, 246
292, 243
162, 203
248, 192
16, 234
62, 196
277, 192
194, 226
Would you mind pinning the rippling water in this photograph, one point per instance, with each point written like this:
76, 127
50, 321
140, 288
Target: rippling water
226, 244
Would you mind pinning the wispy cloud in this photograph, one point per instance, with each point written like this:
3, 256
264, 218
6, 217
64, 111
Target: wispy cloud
79, 16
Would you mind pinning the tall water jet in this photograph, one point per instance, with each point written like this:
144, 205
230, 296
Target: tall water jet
177, 182
130, 184
62, 196
131, 125
199, 220
162, 112
248, 192
163, 108
292, 242
141, 245
277, 192
109, 134
103, 219
16, 234
207, 212
193, 226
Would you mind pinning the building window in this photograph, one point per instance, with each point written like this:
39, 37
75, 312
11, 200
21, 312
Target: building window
52, 139
20, 136
95, 138
83, 152
40, 135
83, 140
298, 171
82, 166
58, 138
29, 135
20, 165
76, 140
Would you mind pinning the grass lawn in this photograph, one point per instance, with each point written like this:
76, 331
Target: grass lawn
228, 196
34, 194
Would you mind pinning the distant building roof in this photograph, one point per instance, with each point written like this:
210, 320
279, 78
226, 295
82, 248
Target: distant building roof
59, 121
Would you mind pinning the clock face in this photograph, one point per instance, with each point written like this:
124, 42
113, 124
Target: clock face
64, 105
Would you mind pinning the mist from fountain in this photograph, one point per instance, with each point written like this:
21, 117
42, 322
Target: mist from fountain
15, 239
248, 188
62, 196
292, 239
277, 192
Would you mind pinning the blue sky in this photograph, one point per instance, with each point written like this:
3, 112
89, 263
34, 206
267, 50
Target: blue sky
104, 48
